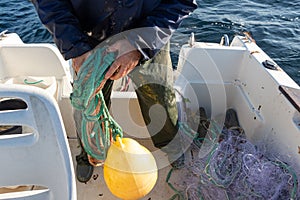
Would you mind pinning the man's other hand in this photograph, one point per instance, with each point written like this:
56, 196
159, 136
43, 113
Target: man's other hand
128, 58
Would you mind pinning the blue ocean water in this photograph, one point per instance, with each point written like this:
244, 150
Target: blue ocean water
274, 24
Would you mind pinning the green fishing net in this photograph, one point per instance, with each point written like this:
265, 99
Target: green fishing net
98, 128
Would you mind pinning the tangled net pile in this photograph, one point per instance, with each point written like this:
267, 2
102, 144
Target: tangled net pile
228, 166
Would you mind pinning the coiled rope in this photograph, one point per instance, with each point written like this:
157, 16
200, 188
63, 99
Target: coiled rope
97, 126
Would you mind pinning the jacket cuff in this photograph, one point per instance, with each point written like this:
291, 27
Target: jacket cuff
148, 40
77, 50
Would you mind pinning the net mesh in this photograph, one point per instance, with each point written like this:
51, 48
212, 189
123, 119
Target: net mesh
226, 165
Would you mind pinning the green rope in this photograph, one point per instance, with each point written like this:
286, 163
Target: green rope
32, 83
294, 178
214, 132
97, 126
178, 195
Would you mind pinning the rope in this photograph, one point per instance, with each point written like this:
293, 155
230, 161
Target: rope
32, 83
97, 126
178, 195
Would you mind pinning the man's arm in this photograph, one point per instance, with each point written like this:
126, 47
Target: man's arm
58, 17
155, 31
157, 27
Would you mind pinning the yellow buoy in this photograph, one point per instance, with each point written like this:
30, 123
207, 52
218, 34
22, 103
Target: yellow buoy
130, 170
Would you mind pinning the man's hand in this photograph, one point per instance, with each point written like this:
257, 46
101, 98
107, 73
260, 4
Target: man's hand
127, 59
77, 62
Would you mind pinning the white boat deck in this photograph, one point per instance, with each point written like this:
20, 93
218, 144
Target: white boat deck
226, 77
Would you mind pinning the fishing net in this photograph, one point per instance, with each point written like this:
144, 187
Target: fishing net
97, 127
226, 165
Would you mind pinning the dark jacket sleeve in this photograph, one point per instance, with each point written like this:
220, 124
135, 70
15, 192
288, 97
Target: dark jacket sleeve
58, 17
157, 27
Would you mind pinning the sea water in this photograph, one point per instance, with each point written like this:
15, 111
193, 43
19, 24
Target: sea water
274, 24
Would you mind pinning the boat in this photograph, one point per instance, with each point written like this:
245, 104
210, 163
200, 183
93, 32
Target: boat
39, 162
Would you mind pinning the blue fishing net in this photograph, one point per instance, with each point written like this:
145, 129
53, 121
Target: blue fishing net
229, 166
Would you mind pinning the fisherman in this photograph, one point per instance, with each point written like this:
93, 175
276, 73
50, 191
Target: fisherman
78, 26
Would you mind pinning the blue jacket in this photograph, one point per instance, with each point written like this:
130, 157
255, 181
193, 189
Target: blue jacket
78, 26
